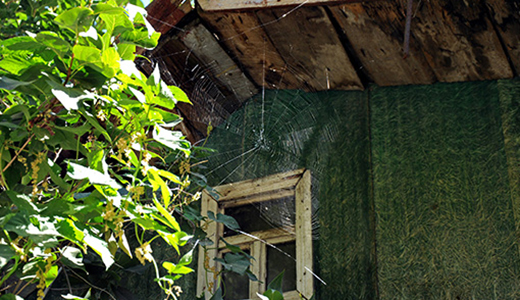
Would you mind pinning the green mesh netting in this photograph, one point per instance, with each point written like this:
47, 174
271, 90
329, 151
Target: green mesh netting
328, 134
445, 224
428, 175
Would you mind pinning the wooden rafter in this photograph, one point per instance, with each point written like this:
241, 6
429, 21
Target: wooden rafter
219, 5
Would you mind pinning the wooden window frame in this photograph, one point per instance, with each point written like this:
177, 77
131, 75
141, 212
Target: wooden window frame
295, 184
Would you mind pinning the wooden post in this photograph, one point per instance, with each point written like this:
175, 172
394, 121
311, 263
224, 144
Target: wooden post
304, 263
208, 204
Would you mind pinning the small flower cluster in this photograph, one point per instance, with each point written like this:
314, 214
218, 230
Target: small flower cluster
144, 253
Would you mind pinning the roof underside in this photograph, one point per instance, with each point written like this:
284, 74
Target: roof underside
329, 47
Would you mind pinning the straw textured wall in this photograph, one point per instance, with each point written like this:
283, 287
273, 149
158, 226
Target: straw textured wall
445, 224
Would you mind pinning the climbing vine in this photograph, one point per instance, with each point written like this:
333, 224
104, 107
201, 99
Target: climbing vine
88, 152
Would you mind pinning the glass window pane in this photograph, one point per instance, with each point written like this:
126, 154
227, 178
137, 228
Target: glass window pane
263, 215
235, 286
280, 259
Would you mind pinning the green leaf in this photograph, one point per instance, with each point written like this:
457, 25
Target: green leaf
100, 247
72, 257
276, 284
140, 38
69, 97
109, 9
235, 263
79, 172
11, 84
23, 202
171, 139
70, 231
124, 245
11, 297
45, 234
20, 43
77, 19
126, 51
171, 222
53, 41
87, 54
6, 253
176, 269
217, 295
158, 183
72, 297
228, 221
186, 259
179, 94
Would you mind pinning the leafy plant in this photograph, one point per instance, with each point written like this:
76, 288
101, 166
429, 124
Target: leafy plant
88, 147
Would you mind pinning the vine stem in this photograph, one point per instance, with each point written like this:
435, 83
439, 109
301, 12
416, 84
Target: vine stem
18, 153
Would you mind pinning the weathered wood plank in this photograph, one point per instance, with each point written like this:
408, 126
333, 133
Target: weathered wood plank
375, 31
203, 44
304, 257
259, 268
243, 34
272, 236
252, 187
213, 232
507, 19
309, 44
212, 102
215, 5
165, 14
278, 194
459, 41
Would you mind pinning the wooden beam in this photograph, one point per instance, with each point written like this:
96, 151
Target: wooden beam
218, 5
253, 187
165, 14
244, 36
309, 44
375, 30
459, 41
204, 45
506, 21
272, 236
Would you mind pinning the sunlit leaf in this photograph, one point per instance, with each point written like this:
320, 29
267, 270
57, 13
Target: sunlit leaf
77, 19
6, 253
79, 172
100, 247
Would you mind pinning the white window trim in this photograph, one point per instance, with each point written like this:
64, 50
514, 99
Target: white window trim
295, 184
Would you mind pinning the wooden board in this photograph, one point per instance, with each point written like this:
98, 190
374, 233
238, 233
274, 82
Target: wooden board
376, 31
203, 44
212, 102
253, 187
303, 228
165, 14
212, 5
507, 23
309, 44
459, 41
243, 35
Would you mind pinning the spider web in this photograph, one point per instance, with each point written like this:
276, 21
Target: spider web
275, 130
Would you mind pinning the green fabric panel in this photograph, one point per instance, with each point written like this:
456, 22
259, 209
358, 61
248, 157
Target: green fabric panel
445, 225
326, 133
346, 244
509, 91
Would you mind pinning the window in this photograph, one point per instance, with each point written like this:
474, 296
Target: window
288, 245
